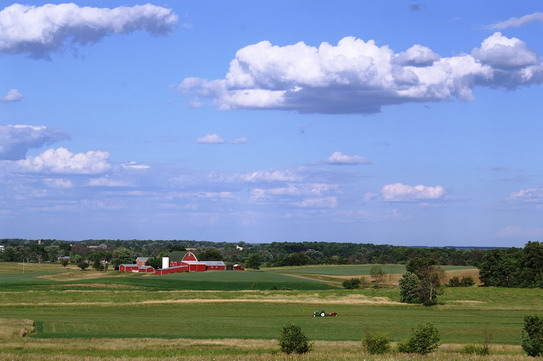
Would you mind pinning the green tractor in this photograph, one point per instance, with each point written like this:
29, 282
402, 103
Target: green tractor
324, 314
319, 314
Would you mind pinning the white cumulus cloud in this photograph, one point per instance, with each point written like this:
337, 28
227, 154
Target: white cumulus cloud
39, 30
516, 22
399, 192
13, 95
357, 76
212, 138
62, 161
338, 158
16, 140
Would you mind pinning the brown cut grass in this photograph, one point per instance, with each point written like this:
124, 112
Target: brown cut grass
351, 299
15, 328
223, 350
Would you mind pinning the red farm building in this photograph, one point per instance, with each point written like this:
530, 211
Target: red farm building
178, 259
176, 262
136, 268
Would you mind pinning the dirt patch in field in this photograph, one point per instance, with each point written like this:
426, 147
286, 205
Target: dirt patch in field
94, 285
280, 299
77, 275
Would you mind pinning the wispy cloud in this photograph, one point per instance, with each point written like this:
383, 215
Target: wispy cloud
516, 22
214, 138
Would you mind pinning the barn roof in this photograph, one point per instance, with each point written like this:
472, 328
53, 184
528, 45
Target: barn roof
177, 256
129, 265
213, 263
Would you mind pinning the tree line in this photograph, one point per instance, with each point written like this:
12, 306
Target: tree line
274, 254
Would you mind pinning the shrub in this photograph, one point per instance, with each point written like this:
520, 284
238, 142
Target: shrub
467, 281
409, 288
424, 340
293, 340
532, 335
83, 265
375, 343
352, 283
454, 282
481, 350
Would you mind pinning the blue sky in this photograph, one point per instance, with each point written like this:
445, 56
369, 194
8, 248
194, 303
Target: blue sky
409, 123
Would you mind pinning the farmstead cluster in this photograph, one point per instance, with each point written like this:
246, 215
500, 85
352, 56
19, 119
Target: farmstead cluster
177, 262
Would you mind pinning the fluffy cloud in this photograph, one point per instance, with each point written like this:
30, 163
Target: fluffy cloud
338, 158
355, 76
39, 30
212, 138
62, 161
512, 61
13, 95
404, 193
16, 140
516, 22
530, 195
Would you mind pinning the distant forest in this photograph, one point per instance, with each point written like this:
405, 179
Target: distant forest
273, 254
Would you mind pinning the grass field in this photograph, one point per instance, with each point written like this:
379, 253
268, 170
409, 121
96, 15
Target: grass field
214, 312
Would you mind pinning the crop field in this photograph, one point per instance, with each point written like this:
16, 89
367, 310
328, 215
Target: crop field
69, 314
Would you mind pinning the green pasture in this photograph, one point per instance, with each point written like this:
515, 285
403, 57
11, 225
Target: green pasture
349, 270
261, 320
219, 305
219, 280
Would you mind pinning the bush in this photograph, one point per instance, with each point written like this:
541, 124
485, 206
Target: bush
375, 343
293, 340
481, 350
425, 339
454, 282
409, 288
352, 283
467, 281
83, 265
532, 335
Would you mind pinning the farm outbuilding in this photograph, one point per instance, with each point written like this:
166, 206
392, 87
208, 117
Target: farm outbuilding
136, 268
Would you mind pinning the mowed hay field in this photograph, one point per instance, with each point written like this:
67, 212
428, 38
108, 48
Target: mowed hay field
236, 315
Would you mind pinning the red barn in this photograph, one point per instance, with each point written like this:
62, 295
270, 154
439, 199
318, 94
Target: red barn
136, 268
